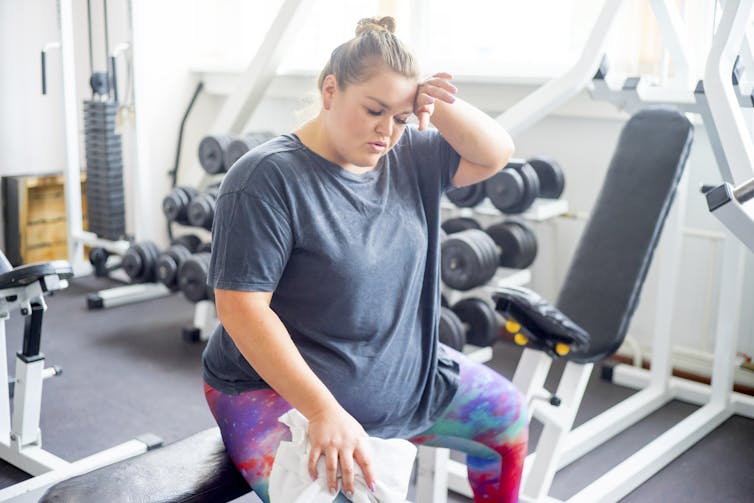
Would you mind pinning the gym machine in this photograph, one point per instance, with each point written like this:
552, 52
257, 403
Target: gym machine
24, 288
717, 102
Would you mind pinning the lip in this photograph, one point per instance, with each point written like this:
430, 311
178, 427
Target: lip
377, 146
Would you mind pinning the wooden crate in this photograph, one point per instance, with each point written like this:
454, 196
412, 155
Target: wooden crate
35, 218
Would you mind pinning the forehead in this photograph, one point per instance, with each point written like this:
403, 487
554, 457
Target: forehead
390, 88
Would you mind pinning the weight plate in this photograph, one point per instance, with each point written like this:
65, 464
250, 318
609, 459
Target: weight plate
212, 150
467, 197
190, 241
483, 328
451, 330
531, 188
550, 174
512, 244
458, 224
175, 205
201, 211
505, 189
192, 277
529, 252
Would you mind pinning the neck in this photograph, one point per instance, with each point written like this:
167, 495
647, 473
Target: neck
314, 136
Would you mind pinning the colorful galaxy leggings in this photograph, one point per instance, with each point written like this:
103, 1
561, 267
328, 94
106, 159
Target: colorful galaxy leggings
486, 420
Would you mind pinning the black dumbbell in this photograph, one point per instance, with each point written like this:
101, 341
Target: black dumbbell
550, 175
451, 330
467, 197
516, 241
468, 259
201, 210
458, 224
192, 277
514, 189
190, 241
140, 262
169, 263
238, 147
175, 205
98, 258
481, 326
213, 151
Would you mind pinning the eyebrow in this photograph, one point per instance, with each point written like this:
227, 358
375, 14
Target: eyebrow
384, 105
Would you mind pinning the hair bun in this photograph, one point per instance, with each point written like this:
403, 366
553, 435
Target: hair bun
366, 24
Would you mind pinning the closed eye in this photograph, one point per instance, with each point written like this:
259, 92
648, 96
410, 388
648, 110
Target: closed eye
378, 113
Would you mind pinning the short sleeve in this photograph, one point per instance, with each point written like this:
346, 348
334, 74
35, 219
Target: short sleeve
251, 243
433, 152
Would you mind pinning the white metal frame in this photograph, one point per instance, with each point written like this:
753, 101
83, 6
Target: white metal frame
20, 435
559, 445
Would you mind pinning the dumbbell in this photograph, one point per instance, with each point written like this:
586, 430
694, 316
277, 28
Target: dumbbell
516, 241
451, 329
170, 260
175, 205
140, 261
238, 147
213, 151
98, 258
467, 197
458, 224
201, 210
468, 259
192, 277
481, 326
514, 189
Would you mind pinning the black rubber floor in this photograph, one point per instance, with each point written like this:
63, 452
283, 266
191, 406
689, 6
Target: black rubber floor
127, 371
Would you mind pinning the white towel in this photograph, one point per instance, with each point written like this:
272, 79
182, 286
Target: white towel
290, 481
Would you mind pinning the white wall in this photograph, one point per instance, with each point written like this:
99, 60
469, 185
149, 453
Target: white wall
581, 136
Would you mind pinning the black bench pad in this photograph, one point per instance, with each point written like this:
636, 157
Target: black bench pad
195, 469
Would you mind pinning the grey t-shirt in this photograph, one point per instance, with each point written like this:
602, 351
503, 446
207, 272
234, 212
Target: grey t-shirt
353, 261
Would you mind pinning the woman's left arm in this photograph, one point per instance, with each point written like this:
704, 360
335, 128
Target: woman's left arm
484, 146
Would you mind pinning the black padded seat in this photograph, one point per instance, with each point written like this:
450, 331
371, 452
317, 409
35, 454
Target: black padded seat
603, 283
602, 286
196, 469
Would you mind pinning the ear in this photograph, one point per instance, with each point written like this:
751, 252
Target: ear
329, 88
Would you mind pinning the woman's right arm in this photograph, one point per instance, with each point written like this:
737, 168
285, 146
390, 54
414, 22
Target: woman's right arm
265, 343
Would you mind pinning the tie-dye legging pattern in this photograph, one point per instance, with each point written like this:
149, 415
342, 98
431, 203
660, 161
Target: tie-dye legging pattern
486, 419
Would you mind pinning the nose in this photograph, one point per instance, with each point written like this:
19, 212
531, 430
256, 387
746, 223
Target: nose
385, 125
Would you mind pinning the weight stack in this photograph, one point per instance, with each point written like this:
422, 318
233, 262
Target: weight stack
104, 171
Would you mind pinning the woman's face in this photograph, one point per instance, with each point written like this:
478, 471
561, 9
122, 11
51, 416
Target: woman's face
364, 121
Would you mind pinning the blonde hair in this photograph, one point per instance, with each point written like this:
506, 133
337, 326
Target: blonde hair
375, 43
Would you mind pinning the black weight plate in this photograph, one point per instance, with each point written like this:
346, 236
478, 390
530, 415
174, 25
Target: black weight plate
190, 241
192, 277
550, 174
531, 188
168, 264
459, 263
451, 330
512, 242
467, 197
505, 189
529, 253
484, 329
212, 150
458, 224
491, 256
201, 210
175, 205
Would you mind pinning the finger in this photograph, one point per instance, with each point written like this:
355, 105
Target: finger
443, 75
365, 463
331, 468
439, 93
442, 84
423, 120
423, 100
346, 472
313, 459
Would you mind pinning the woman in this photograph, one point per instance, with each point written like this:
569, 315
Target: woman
326, 276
